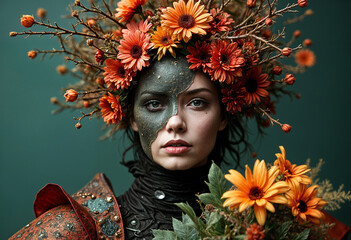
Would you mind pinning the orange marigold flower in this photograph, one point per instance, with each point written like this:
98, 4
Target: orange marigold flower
71, 95
133, 50
255, 84
221, 21
116, 76
27, 21
234, 97
185, 20
127, 8
111, 109
305, 58
164, 40
255, 232
227, 60
304, 203
258, 189
200, 56
293, 175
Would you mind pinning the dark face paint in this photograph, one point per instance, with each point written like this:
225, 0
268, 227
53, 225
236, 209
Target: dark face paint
163, 81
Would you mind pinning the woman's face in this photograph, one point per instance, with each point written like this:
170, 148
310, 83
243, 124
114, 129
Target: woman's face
188, 135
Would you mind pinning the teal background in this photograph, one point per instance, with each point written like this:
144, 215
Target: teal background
37, 148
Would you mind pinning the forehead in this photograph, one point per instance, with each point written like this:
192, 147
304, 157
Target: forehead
171, 76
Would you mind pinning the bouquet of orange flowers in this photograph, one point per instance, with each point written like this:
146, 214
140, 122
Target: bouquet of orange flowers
289, 193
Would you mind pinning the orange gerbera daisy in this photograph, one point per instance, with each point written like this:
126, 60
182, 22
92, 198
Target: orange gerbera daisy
304, 203
164, 40
305, 58
255, 84
227, 60
234, 97
185, 20
116, 76
258, 189
200, 56
293, 174
133, 50
221, 21
127, 8
111, 109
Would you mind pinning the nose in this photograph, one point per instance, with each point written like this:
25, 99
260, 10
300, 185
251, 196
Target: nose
176, 124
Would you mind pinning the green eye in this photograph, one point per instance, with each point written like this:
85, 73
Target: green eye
198, 103
153, 106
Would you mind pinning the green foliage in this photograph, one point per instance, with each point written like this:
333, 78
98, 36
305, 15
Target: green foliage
302, 235
164, 235
185, 229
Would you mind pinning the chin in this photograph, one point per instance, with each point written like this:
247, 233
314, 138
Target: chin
176, 163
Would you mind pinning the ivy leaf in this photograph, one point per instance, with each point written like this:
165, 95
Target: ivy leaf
302, 235
283, 230
164, 235
240, 237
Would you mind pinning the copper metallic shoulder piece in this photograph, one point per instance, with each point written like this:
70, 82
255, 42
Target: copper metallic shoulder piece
91, 213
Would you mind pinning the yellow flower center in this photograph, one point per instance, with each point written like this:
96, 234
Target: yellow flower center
186, 21
255, 193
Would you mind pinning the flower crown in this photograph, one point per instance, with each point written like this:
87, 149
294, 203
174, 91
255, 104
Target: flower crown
231, 41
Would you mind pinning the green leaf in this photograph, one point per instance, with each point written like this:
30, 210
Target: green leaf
198, 224
185, 230
215, 223
209, 198
283, 230
164, 235
240, 237
302, 235
217, 183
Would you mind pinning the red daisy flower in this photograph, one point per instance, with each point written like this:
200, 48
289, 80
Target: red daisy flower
133, 50
111, 109
227, 61
221, 21
234, 97
255, 84
116, 76
200, 57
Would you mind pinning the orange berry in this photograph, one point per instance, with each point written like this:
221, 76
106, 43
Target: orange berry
297, 33
100, 81
254, 154
91, 22
13, 34
268, 21
54, 100
277, 70
62, 69
32, 54
286, 51
267, 33
27, 21
302, 3
250, 3
286, 127
78, 125
289, 79
71, 95
86, 104
307, 42
99, 56
41, 13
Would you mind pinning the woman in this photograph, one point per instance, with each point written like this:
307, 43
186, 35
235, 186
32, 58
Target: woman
176, 113
176, 119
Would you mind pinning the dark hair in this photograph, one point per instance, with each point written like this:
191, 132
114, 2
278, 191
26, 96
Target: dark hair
230, 141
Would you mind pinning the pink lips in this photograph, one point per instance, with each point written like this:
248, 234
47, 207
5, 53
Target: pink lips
176, 146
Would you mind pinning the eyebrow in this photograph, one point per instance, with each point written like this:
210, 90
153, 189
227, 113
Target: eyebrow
156, 93
197, 90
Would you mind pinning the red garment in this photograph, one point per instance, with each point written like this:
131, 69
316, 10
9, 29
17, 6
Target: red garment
91, 213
